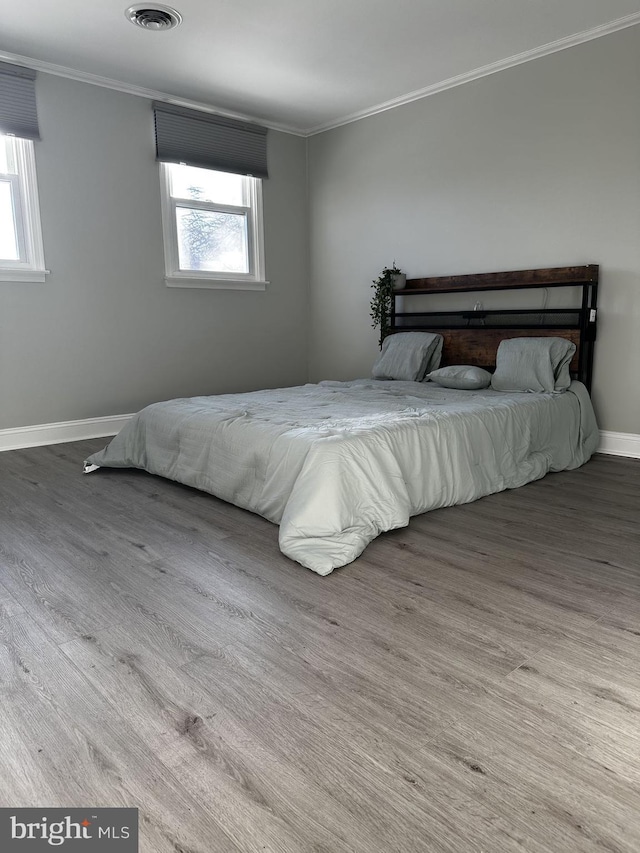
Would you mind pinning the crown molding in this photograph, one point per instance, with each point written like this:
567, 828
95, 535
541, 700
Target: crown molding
484, 71
138, 91
417, 95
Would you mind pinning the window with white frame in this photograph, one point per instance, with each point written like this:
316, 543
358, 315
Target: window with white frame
21, 250
213, 233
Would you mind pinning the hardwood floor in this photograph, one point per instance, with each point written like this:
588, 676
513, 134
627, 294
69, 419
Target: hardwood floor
471, 683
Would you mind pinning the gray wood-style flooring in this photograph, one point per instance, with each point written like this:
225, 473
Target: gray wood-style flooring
471, 683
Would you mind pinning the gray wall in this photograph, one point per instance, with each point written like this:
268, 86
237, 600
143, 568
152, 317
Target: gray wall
536, 166
104, 335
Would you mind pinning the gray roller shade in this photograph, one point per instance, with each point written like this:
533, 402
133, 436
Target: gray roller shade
210, 141
18, 114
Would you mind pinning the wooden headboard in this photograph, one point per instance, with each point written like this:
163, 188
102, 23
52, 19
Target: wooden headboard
472, 337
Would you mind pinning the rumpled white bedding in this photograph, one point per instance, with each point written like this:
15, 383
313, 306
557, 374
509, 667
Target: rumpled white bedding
335, 464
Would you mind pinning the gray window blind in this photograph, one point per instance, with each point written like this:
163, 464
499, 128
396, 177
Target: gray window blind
210, 141
18, 114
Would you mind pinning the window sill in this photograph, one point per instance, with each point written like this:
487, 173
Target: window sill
215, 283
8, 274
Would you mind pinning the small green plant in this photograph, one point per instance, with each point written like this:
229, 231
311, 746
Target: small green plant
381, 300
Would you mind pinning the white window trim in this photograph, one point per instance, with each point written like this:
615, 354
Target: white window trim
29, 229
175, 277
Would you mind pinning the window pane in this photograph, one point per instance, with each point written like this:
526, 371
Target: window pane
8, 238
7, 158
207, 185
213, 241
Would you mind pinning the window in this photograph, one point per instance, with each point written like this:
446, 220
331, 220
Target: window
212, 228
21, 252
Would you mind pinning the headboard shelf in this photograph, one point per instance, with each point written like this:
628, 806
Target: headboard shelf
507, 317
512, 280
473, 337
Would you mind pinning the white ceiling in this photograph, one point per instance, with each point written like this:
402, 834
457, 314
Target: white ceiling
300, 64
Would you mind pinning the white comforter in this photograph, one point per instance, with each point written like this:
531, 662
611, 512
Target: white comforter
335, 464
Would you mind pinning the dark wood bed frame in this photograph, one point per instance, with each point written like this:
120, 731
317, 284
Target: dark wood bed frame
472, 337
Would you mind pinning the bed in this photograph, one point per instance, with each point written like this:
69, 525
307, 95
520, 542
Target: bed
337, 463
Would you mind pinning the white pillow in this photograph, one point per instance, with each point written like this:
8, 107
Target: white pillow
408, 356
464, 377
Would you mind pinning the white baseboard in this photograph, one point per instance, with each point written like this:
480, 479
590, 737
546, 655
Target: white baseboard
39, 434
619, 444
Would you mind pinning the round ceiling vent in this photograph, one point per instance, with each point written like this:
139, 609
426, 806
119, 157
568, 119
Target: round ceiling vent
153, 17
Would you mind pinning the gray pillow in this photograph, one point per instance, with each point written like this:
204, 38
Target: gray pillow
408, 355
533, 364
462, 376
